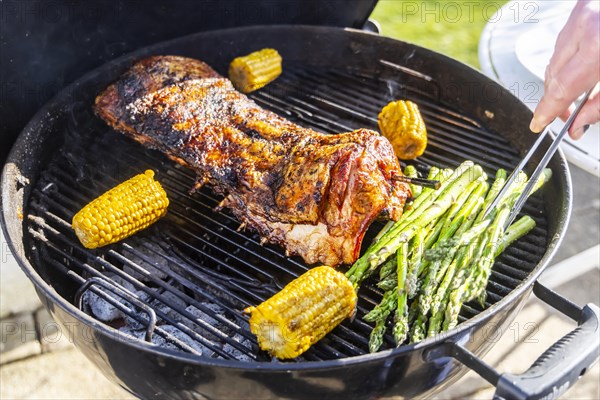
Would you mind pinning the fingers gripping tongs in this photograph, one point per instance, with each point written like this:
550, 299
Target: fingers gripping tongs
540, 167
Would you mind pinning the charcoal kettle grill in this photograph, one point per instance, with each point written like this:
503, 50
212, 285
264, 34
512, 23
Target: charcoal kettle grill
183, 283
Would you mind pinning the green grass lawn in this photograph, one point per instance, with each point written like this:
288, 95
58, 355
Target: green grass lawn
449, 27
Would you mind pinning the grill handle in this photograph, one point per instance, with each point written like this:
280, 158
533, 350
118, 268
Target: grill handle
121, 292
556, 370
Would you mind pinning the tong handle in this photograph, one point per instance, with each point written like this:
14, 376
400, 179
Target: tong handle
540, 167
517, 170
545, 160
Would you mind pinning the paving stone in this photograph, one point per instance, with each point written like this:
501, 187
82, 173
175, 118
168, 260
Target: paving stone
18, 338
57, 375
583, 290
587, 387
26, 350
17, 294
583, 231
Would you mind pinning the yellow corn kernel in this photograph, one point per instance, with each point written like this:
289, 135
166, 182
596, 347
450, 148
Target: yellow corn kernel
402, 124
120, 212
304, 311
255, 70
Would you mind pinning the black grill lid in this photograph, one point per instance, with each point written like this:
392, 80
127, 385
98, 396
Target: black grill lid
47, 45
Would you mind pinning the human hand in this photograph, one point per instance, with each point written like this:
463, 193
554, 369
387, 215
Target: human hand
573, 69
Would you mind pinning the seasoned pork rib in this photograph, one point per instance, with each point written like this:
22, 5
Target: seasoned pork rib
314, 194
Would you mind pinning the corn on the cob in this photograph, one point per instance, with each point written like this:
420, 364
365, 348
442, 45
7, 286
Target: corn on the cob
401, 123
120, 212
303, 312
255, 70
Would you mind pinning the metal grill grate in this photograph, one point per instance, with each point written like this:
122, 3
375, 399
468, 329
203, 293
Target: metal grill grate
193, 268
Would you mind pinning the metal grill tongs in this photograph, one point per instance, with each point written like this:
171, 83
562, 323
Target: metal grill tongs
540, 167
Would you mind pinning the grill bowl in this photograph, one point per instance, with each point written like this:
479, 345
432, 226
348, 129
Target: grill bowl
334, 80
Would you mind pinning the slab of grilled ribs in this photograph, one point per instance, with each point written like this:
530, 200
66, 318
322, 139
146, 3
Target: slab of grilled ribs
314, 194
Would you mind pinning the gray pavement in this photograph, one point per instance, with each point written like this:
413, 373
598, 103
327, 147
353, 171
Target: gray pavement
584, 228
64, 374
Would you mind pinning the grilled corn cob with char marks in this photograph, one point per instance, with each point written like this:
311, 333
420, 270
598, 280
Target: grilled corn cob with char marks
303, 312
402, 124
120, 212
254, 71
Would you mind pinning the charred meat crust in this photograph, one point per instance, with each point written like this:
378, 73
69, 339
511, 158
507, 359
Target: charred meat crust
314, 194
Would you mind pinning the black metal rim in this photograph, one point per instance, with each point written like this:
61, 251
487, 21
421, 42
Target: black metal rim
17, 152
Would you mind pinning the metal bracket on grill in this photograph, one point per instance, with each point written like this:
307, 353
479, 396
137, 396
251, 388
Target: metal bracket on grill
555, 371
123, 293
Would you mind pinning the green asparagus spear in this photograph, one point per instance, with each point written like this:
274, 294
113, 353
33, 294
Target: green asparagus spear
400, 329
382, 310
388, 283
479, 186
446, 247
388, 225
493, 192
412, 172
426, 193
376, 337
432, 237
458, 267
390, 242
479, 283
388, 267
456, 296
413, 313
434, 233
459, 221
489, 252
447, 178
379, 314
544, 177
467, 214
414, 262
437, 309
514, 232
418, 329
437, 303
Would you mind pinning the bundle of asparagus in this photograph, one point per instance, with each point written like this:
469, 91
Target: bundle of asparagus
440, 253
